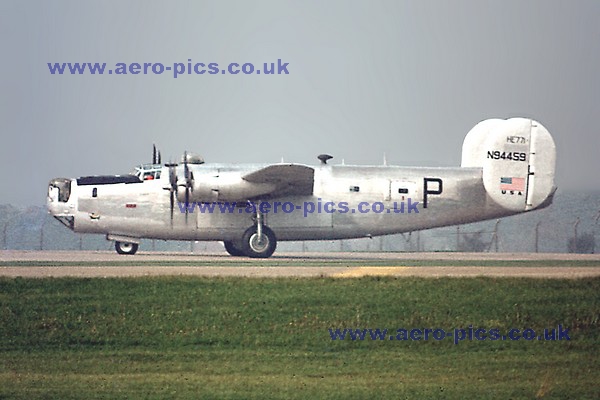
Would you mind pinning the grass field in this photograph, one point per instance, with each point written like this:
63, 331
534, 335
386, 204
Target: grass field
268, 338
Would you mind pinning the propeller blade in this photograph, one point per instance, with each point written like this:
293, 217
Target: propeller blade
187, 202
159, 160
186, 170
173, 182
153, 154
186, 174
172, 204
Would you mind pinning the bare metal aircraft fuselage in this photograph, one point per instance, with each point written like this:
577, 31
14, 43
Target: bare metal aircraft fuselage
507, 168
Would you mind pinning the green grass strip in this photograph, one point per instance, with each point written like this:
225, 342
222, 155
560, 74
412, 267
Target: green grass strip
194, 337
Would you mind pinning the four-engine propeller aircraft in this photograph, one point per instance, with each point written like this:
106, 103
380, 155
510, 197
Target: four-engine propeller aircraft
507, 168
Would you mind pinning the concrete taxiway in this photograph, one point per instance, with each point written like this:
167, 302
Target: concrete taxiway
42, 264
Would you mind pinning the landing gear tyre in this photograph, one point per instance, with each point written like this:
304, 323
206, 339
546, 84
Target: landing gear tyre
233, 250
126, 248
256, 247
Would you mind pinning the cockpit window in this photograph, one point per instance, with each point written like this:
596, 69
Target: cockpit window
60, 189
147, 172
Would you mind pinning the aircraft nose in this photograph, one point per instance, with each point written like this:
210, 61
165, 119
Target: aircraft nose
60, 202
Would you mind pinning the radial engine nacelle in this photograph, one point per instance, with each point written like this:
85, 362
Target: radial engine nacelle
229, 186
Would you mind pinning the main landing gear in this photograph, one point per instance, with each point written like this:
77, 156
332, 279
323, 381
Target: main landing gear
257, 242
126, 248
233, 249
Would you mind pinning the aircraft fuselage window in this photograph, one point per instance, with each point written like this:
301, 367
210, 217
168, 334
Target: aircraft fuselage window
355, 189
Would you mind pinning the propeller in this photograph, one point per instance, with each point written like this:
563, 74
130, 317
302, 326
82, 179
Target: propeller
187, 174
173, 188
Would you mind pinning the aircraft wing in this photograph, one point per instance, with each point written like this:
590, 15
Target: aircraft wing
289, 179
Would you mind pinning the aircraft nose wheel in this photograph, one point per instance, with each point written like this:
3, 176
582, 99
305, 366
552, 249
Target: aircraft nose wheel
126, 248
256, 246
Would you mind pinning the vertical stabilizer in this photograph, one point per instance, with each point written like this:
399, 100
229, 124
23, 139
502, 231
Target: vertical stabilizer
518, 158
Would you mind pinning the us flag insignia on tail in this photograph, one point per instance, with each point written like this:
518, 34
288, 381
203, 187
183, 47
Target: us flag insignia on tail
515, 184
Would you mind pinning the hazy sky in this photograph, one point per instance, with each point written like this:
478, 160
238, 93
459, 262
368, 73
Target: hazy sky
405, 78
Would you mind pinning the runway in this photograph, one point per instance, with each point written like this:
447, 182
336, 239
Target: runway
90, 264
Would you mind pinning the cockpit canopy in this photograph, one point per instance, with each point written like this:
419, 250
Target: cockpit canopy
146, 172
